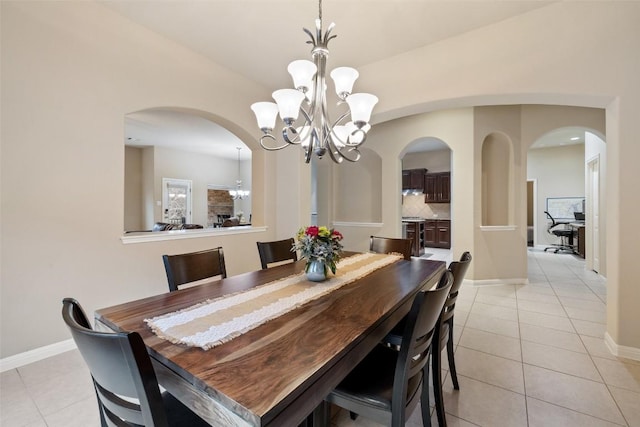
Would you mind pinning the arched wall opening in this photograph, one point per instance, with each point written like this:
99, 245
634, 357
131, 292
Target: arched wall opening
187, 148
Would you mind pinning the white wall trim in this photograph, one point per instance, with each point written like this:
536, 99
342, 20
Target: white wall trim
621, 350
36, 355
357, 224
496, 282
498, 227
158, 236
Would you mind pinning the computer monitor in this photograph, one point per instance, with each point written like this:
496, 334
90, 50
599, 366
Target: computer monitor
579, 216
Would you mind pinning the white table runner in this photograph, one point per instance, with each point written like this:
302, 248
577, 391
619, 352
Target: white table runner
217, 321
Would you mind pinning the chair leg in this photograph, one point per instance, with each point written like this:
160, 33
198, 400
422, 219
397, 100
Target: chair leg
437, 383
424, 398
450, 356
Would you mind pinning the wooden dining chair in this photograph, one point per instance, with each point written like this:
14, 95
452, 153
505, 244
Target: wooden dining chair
443, 336
122, 374
387, 245
385, 386
276, 251
189, 267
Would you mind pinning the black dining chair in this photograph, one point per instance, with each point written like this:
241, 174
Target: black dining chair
122, 374
276, 251
189, 267
387, 385
443, 336
388, 245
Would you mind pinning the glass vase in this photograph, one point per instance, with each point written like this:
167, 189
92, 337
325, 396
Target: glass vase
316, 270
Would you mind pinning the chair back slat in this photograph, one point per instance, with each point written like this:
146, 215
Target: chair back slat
388, 245
276, 251
190, 267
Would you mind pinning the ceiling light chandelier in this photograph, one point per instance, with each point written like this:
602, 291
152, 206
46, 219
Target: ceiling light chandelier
317, 134
239, 193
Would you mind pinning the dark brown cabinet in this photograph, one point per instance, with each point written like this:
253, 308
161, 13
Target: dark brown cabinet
437, 233
413, 179
437, 187
416, 232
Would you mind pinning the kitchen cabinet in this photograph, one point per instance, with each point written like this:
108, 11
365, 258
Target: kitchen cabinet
437, 233
415, 232
437, 187
413, 179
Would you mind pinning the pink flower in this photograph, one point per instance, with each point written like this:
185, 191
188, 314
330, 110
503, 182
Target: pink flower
312, 231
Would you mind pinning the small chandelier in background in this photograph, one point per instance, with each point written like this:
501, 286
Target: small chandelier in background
342, 138
239, 193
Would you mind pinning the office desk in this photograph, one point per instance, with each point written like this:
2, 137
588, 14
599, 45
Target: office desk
277, 373
578, 231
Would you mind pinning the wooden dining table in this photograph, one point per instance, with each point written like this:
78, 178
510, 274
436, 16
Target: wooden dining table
279, 372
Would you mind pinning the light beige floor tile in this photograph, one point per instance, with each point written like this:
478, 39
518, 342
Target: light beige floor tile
591, 329
582, 304
496, 311
81, 414
460, 316
546, 320
629, 403
618, 374
490, 369
16, 406
575, 292
581, 395
554, 309
543, 414
597, 347
552, 337
538, 297
487, 342
491, 324
496, 300
560, 360
451, 421
485, 405
588, 315
507, 291
58, 382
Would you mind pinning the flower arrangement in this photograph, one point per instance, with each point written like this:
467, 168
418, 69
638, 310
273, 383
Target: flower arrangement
321, 244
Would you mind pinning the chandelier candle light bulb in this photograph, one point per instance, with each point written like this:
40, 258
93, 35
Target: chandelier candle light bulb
317, 134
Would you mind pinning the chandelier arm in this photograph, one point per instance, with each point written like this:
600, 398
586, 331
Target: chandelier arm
350, 159
269, 136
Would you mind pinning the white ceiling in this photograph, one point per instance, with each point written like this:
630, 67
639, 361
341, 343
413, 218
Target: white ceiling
258, 39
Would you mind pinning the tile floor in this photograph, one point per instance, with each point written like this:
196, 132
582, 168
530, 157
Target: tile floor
527, 355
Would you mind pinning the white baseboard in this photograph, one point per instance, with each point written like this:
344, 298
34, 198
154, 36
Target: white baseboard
621, 350
35, 355
496, 282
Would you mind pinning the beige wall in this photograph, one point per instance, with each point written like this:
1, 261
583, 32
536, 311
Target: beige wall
360, 183
72, 70
434, 161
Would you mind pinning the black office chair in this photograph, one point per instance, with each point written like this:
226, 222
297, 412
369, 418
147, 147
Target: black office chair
387, 245
385, 386
276, 251
189, 267
122, 373
559, 229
